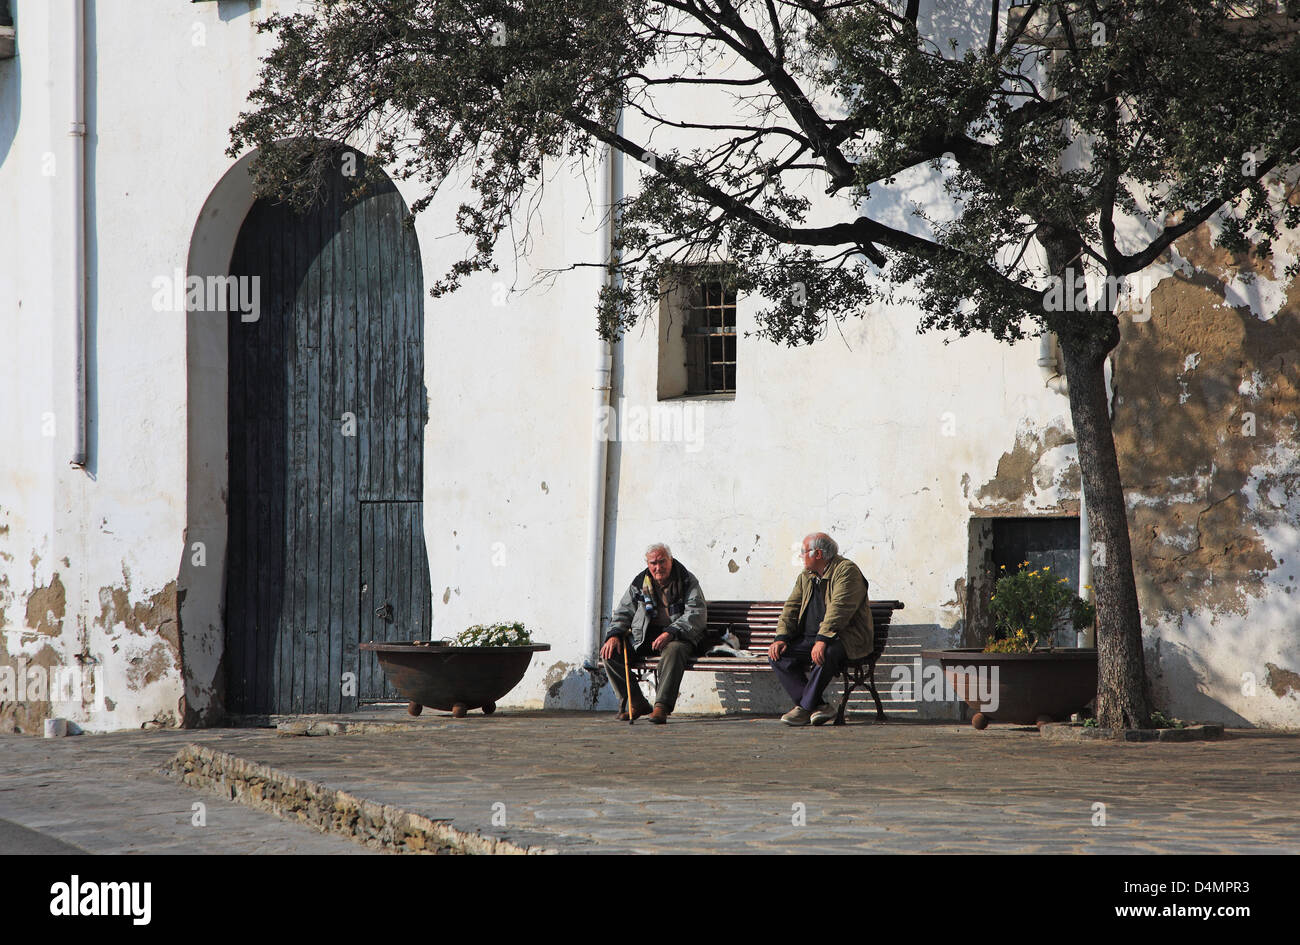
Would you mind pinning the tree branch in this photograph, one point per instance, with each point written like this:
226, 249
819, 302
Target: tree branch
834, 235
1229, 194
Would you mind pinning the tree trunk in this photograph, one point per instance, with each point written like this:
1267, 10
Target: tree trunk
1123, 694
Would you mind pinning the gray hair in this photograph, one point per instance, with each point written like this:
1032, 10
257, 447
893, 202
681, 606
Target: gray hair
825, 544
659, 546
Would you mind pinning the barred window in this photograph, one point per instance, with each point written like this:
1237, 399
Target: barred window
710, 329
697, 353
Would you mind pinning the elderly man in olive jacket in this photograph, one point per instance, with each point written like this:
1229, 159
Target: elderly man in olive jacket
825, 623
662, 612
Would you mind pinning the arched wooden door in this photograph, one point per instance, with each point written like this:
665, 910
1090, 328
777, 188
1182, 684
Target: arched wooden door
326, 425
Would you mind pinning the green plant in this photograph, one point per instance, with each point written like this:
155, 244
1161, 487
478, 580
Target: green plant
494, 634
1160, 720
1028, 606
1090, 723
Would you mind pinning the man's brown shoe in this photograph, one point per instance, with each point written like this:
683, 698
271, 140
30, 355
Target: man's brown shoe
638, 709
660, 715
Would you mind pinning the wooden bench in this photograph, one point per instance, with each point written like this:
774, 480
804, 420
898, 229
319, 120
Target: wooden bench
754, 624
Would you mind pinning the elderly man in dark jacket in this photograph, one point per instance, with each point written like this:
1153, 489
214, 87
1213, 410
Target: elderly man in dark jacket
825, 623
663, 611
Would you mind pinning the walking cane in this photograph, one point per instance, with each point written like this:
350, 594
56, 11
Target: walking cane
627, 680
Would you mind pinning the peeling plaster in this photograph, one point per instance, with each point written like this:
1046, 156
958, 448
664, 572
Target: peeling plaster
1039, 473
6, 598
554, 679
157, 614
1209, 470
46, 607
1207, 396
150, 668
29, 714
156, 618
1283, 682
565, 685
126, 661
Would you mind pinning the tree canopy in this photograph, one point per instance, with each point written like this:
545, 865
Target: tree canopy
1052, 128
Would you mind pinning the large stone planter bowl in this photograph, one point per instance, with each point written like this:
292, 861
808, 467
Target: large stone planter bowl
1024, 688
453, 678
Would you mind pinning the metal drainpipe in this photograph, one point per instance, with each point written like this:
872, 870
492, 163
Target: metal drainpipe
1050, 365
78, 134
1085, 567
600, 406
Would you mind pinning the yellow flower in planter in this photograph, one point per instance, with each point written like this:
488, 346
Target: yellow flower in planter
1016, 642
1036, 605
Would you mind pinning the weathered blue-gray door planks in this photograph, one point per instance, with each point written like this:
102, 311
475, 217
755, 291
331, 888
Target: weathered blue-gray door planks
326, 422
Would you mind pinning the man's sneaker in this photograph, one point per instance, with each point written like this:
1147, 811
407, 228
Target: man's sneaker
660, 714
823, 714
797, 716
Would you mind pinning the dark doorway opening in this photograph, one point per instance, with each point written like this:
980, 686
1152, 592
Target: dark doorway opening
997, 543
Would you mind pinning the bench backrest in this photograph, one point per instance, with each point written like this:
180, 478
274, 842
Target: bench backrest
754, 622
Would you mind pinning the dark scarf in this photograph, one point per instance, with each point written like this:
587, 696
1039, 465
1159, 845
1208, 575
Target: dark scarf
642, 589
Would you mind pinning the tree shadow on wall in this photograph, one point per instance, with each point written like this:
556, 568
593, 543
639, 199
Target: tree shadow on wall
1203, 391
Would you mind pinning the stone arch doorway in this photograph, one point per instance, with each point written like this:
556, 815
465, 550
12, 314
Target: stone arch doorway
325, 415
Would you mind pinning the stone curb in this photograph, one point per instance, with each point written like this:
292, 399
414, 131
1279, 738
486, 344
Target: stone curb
321, 724
379, 826
1071, 732
316, 728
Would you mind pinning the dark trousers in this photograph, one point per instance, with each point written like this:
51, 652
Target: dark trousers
673, 660
792, 669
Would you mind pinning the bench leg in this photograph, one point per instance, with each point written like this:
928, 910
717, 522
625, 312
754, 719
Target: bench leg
854, 677
851, 681
871, 684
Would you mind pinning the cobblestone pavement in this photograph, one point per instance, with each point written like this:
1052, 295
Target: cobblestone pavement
107, 794
581, 782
